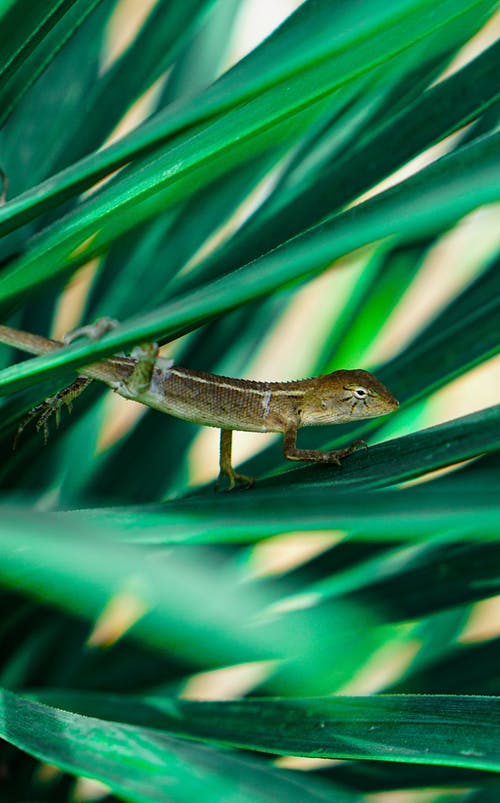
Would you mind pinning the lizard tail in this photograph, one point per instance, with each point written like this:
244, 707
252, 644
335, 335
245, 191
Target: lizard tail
111, 371
34, 344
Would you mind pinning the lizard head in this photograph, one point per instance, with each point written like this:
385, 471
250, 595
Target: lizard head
344, 396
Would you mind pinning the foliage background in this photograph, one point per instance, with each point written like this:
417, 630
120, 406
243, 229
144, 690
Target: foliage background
328, 201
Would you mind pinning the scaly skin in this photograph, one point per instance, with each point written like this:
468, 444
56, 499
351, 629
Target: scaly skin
229, 404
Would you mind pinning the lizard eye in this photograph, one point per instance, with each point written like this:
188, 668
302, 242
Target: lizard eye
360, 393
324, 405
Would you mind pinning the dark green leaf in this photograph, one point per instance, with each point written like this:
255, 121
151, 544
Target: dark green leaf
32, 34
158, 767
447, 730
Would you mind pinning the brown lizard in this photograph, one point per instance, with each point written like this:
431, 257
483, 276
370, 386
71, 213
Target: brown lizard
218, 401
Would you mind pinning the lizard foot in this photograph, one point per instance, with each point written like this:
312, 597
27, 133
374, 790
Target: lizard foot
93, 331
337, 455
52, 406
233, 477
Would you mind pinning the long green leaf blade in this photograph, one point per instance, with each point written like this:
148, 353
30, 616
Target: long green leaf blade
146, 766
459, 731
434, 198
352, 43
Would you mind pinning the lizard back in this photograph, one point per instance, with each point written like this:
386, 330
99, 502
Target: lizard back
224, 402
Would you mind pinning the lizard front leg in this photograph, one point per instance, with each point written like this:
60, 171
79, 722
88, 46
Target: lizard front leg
140, 378
145, 355
314, 455
94, 331
226, 468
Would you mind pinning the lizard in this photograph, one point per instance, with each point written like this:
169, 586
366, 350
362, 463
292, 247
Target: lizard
217, 401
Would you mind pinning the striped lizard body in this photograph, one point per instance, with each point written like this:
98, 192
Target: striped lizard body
226, 403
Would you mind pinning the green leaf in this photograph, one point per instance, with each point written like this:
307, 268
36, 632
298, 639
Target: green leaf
33, 33
435, 729
327, 500
149, 188
401, 459
277, 77
186, 604
218, 212
147, 766
375, 151
175, 611
151, 53
434, 198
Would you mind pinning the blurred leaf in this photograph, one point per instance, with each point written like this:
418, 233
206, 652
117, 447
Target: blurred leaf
384, 281
159, 603
32, 35
185, 603
204, 55
47, 112
464, 669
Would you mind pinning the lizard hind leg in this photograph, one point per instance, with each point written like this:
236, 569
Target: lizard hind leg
65, 397
52, 406
226, 468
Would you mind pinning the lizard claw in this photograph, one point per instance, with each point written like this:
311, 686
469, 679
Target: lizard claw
337, 455
234, 477
42, 413
52, 406
93, 331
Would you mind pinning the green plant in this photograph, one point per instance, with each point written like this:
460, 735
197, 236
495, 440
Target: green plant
121, 584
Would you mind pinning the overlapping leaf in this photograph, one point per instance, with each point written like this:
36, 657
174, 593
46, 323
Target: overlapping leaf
331, 104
